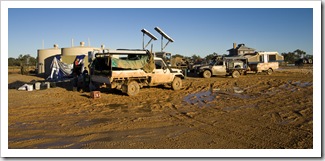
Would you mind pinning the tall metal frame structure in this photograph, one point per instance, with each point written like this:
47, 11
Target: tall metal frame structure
163, 35
146, 32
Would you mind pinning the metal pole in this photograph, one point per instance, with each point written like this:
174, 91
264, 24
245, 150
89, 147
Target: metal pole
162, 38
143, 41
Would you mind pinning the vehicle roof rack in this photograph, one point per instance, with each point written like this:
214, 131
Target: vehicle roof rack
123, 52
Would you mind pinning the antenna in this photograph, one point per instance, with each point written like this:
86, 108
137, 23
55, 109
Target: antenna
163, 35
72, 42
145, 32
88, 41
42, 44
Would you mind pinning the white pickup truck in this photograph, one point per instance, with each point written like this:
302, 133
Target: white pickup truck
139, 68
226, 66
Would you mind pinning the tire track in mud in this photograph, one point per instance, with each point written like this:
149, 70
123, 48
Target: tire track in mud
203, 126
189, 119
209, 129
272, 112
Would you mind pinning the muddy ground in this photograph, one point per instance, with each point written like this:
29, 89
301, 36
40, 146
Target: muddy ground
252, 112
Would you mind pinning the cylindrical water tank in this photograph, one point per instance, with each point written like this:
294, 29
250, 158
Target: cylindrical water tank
77, 50
45, 57
69, 54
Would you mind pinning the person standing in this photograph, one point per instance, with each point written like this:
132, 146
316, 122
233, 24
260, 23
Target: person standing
85, 79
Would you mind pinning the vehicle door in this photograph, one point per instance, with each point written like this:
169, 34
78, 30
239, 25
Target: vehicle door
219, 68
161, 73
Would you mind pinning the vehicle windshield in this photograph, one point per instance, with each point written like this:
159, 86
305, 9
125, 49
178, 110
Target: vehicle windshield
212, 62
216, 62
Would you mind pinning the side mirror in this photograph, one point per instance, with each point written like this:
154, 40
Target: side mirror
164, 67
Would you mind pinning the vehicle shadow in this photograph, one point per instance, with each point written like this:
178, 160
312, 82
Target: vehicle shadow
17, 84
191, 74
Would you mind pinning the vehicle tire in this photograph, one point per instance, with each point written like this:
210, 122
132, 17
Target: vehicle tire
206, 74
235, 74
177, 83
133, 88
269, 71
310, 61
304, 61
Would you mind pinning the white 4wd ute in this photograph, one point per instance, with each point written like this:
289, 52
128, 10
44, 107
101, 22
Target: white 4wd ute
138, 69
234, 66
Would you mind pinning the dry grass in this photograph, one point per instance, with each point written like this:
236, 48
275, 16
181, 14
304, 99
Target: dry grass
17, 69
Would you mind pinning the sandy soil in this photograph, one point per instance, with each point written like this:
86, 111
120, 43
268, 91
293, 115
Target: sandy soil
254, 112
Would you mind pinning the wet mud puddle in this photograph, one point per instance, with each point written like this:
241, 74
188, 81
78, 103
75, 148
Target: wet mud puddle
206, 98
294, 86
200, 98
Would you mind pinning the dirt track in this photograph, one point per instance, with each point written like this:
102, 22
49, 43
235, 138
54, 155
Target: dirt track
255, 112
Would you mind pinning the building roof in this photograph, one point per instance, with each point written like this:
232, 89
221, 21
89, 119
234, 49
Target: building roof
242, 47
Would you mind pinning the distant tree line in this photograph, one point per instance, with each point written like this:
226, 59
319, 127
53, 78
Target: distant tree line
22, 60
197, 58
292, 57
289, 57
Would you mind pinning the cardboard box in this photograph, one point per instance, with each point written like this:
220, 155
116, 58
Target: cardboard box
95, 94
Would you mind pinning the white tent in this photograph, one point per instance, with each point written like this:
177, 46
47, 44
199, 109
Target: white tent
60, 69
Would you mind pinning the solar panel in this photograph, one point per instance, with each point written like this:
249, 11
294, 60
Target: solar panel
163, 34
149, 34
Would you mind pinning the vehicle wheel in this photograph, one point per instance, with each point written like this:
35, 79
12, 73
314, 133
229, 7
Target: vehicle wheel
133, 88
304, 61
310, 61
207, 74
269, 71
177, 83
235, 74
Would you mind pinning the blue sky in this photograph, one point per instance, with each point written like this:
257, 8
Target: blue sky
199, 31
